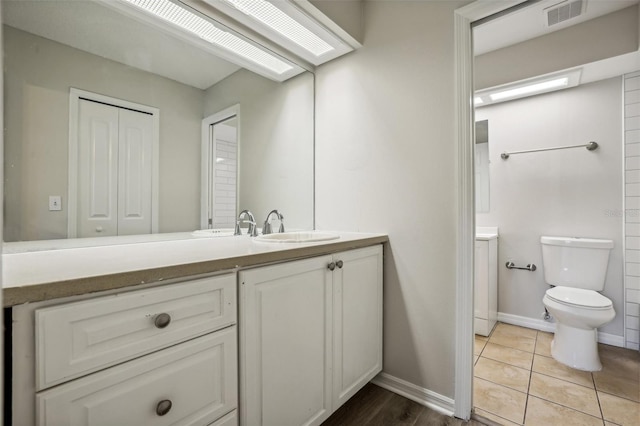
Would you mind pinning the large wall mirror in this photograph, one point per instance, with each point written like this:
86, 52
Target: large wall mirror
69, 63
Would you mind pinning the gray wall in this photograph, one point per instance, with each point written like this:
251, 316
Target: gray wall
38, 75
386, 161
276, 143
570, 192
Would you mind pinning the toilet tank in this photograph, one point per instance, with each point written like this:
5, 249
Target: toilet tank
575, 262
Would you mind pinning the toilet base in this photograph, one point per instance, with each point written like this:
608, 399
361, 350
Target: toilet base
576, 347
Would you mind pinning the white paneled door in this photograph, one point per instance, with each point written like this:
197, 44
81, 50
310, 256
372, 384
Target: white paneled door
114, 170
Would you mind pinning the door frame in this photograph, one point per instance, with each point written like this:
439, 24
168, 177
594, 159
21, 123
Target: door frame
206, 183
75, 95
465, 238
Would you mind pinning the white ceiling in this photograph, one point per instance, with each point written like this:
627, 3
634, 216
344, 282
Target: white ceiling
91, 27
530, 22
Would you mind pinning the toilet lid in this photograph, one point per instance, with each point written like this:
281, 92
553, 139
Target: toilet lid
579, 297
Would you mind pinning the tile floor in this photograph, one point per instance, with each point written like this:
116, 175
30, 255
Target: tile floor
517, 382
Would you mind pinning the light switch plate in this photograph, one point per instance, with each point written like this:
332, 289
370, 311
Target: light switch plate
55, 203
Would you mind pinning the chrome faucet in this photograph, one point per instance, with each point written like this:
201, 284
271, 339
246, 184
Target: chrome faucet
266, 228
253, 230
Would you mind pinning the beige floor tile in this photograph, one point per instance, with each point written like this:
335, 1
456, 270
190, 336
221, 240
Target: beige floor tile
606, 423
626, 387
503, 374
543, 343
619, 361
515, 330
551, 367
499, 400
520, 338
619, 410
496, 419
626, 360
541, 412
565, 393
620, 373
478, 344
508, 355
475, 359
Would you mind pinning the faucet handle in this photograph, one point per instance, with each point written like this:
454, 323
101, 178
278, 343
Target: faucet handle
266, 228
281, 229
253, 230
237, 231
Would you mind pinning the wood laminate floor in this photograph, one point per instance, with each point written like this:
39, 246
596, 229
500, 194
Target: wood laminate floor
375, 406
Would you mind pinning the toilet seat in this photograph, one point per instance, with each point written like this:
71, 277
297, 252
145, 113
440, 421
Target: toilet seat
578, 297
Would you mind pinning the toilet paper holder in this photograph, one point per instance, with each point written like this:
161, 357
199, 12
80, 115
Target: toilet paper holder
530, 267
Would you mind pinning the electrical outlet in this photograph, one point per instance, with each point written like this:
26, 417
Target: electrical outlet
55, 203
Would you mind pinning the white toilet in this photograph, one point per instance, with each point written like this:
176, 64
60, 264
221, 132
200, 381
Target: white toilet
577, 268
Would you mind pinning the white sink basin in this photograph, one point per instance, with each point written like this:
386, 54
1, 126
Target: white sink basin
297, 237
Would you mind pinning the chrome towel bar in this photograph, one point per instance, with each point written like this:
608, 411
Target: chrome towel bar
530, 267
591, 146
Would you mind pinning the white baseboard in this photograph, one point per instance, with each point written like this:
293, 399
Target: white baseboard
422, 396
542, 325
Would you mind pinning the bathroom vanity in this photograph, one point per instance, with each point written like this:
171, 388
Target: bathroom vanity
486, 280
156, 336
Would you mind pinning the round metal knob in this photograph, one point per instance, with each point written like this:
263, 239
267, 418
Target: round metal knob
339, 263
331, 266
163, 407
99, 229
162, 320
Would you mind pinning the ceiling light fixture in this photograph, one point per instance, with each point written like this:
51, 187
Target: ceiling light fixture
284, 24
290, 24
529, 87
236, 49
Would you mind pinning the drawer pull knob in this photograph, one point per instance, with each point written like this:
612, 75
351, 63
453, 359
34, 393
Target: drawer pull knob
162, 321
163, 407
339, 263
331, 266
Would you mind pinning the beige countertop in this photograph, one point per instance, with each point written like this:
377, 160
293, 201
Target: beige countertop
52, 271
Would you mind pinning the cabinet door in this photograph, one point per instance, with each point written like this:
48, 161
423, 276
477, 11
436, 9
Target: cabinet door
357, 321
285, 343
193, 383
481, 280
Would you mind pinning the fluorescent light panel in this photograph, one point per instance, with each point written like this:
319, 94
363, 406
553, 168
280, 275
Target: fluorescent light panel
204, 29
283, 24
533, 86
530, 89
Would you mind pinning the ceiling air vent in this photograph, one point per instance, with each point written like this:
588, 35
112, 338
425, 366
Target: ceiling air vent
564, 11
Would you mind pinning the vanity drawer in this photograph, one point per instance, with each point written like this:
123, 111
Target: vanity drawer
230, 419
198, 379
78, 338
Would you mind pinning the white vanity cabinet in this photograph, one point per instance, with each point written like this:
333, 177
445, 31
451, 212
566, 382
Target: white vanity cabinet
310, 336
159, 356
486, 283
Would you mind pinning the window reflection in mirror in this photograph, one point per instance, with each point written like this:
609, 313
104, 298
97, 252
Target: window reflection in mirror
482, 166
54, 46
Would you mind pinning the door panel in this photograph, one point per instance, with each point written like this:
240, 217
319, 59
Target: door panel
286, 341
134, 173
97, 170
115, 152
357, 321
